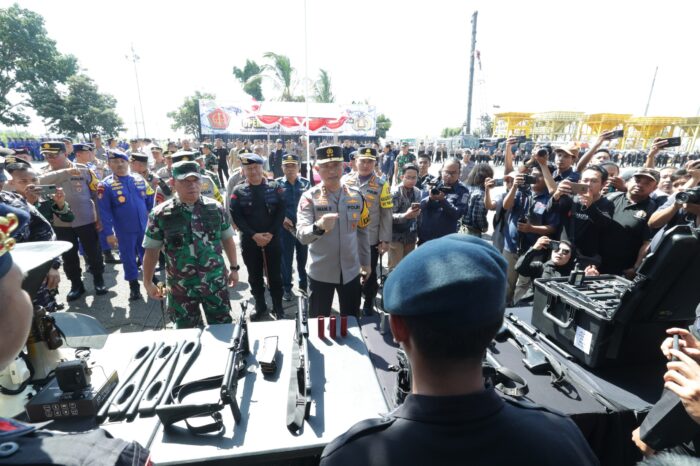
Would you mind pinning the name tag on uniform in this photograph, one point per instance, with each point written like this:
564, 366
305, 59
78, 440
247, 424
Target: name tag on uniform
323, 208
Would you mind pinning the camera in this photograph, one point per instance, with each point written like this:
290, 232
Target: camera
529, 179
554, 245
617, 134
498, 182
437, 189
691, 196
73, 376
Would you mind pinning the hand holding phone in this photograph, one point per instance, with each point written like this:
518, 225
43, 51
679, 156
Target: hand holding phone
671, 142
579, 188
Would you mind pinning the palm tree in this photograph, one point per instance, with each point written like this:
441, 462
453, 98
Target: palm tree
322, 88
282, 74
251, 79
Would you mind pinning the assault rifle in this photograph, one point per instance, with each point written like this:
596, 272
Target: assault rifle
299, 401
227, 384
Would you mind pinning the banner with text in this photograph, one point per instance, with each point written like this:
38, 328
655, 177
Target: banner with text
277, 118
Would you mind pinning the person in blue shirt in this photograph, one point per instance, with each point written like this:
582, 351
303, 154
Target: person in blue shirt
124, 204
294, 186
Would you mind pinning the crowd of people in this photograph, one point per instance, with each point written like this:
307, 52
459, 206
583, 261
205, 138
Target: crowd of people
335, 211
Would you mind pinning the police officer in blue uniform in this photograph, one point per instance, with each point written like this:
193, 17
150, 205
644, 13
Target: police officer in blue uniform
445, 301
294, 186
124, 203
258, 208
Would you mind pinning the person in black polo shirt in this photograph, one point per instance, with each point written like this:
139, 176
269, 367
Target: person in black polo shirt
222, 155
583, 217
628, 234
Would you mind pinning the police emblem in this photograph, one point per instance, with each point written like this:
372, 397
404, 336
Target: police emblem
121, 199
640, 214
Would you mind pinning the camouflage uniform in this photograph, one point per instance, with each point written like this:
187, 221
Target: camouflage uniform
191, 239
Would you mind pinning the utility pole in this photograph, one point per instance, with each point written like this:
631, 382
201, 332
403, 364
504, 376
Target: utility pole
651, 91
468, 123
134, 58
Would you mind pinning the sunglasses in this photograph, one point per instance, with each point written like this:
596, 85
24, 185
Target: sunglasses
563, 251
50, 155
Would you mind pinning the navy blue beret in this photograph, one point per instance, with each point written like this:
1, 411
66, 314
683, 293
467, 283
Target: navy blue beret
458, 274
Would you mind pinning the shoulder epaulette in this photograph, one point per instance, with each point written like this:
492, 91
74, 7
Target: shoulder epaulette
359, 430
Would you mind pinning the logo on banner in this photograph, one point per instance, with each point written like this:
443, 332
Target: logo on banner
218, 119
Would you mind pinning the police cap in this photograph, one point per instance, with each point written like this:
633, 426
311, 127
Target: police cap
459, 276
290, 158
366, 153
156, 149
22, 151
12, 163
117, 154
82, 147
137, 157
183, 156
250, 159
325, 154
184, 169
52, 147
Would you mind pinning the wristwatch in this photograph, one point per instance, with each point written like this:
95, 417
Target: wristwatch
235, 268
318, 231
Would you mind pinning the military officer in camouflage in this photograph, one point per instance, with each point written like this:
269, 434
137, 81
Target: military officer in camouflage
193, 231
211, 161
377, 194
332, 219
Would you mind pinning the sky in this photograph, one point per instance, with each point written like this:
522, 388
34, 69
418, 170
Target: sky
410, 59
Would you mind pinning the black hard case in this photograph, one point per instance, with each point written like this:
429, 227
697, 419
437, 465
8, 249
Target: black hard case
664, 294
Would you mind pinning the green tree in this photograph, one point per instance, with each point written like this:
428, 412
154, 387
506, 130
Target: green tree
383, 125
450, 132
322, 88
250, 78
282, 75
78, 110
31, 64
486, 126
186, 117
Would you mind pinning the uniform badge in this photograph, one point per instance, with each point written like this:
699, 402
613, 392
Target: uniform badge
640, 214
205, 186
121, 199
120, 193
79, 189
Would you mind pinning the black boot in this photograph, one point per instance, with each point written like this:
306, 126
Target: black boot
368, 308
135, 290
110, 259
99, 283
260, 308
277, 308
77, 289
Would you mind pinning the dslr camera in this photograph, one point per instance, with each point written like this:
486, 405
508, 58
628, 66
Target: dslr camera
438, 188
691, 196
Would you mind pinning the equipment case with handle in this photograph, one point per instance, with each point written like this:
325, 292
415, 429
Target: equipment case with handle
608, 320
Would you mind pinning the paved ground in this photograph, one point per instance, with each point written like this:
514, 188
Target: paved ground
118, 314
